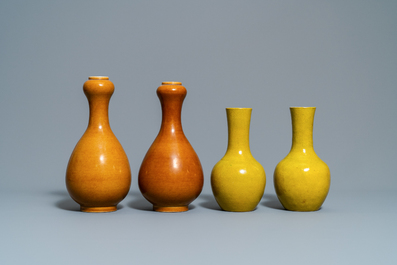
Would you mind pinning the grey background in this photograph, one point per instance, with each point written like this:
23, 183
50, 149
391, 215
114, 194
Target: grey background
339, 56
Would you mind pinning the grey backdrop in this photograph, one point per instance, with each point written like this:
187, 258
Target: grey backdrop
340, 56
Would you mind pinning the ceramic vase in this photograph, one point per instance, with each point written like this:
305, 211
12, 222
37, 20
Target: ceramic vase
98, 174
171, 176
302, 179
238, 180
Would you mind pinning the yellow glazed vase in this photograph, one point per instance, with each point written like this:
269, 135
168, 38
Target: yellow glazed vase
302, 179
238, 180
98, 175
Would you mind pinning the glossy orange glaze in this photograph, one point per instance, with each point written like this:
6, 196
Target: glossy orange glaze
98, 175
171, 176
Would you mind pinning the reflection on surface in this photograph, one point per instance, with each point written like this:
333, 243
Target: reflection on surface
175, 162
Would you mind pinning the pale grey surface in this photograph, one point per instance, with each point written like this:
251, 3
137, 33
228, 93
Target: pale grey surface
339, 56
43, 227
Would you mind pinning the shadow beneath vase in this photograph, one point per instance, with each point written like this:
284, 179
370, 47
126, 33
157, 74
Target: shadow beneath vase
210, 203
68, 204
271, 201
140, 203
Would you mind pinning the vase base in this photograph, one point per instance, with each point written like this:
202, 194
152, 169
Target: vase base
104, 209
302, 210
239, 210
171, 209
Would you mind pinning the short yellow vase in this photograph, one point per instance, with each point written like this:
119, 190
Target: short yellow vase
302, 179
238, 180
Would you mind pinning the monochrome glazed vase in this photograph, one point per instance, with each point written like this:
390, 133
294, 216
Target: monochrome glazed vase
238, 181
171, 176
302, 179
98, 174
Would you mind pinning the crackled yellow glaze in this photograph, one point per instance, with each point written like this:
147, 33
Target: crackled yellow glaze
238, 180
302, 179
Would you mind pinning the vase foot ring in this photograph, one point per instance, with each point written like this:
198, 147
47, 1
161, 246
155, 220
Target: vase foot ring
104, 209
171, 209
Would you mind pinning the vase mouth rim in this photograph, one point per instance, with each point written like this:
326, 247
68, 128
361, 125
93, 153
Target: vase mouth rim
302, 107
239, 108
98, 77
171, 83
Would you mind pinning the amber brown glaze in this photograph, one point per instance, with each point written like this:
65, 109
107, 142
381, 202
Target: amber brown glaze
171, 176
98, 175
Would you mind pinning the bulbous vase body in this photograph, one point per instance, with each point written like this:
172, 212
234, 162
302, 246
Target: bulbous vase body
238, 180
302, 179
171, 176
98, 174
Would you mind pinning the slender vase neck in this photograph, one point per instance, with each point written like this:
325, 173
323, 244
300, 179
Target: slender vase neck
171, 95
99, 115
98, 90
238, 120
302, 128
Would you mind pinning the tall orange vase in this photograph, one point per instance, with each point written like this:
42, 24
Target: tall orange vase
171, 176
98, 175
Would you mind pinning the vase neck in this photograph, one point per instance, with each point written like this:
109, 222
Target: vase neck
98, 91
238, 120
171, 95
99, 116
302, 128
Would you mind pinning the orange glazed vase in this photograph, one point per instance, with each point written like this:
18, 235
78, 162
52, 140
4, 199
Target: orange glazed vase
171, 176
98, 175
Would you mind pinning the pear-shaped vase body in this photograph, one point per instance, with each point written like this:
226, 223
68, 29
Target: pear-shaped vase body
302, 179
238, 180
98, 175
171, 176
